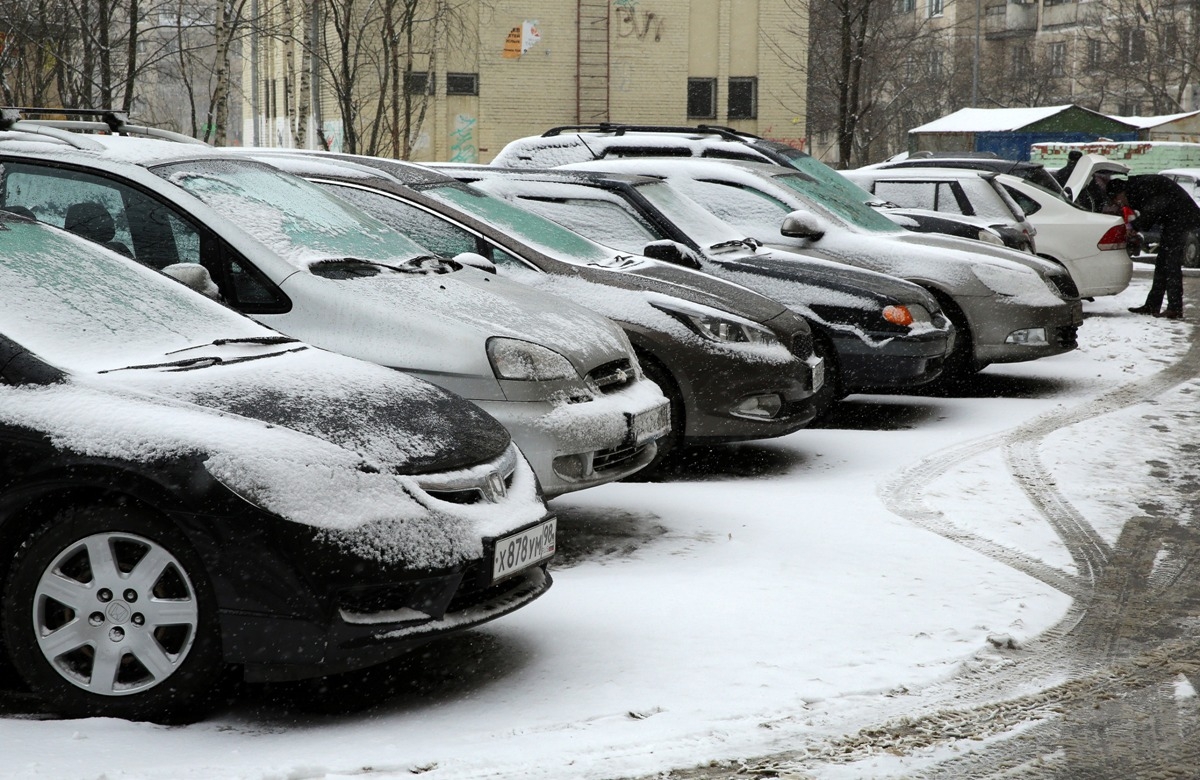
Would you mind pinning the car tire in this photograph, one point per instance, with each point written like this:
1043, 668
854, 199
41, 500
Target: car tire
107, 611
1191, 250
961, 362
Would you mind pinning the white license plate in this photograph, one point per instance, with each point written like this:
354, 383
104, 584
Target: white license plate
651, 424
519, 551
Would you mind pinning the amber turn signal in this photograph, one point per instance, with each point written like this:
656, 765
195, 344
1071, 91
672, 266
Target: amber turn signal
898, 315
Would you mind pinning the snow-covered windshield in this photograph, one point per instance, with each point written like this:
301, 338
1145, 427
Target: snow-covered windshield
837, 195
84, 308
693, 219
547, 236
298, 221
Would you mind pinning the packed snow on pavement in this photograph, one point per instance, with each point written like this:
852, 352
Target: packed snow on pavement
770, 597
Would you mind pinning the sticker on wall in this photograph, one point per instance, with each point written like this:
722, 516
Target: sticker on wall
521, 39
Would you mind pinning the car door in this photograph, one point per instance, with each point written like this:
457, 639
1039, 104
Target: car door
135, 223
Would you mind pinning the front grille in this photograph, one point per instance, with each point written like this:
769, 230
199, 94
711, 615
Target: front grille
468, 495
617, 456
612, 376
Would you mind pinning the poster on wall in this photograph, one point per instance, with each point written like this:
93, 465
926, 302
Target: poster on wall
521, 39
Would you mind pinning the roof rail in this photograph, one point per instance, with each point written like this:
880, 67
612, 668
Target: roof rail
110, 121
619, 129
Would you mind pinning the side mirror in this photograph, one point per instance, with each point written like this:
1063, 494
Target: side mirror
672, 252
195, 277
475, 260
802, 224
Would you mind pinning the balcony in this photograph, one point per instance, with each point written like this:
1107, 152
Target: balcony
1009, 19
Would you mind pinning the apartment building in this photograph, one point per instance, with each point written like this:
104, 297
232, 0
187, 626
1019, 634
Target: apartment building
464, 78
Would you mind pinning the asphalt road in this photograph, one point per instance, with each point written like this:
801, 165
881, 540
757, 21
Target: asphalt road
1111, 692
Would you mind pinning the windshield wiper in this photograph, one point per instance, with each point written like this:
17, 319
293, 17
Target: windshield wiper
751, 243
203, 362
246, 340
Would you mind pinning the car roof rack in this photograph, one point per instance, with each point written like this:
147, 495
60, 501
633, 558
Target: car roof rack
620, 129
107, 121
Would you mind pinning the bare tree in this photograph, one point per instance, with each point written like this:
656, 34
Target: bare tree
873, 67
1142, 56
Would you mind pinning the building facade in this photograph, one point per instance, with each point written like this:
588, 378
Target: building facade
464, 78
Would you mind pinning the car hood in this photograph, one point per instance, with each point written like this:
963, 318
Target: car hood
440, 324
354, 487
392, 421
956, 244
690, 285
842, 278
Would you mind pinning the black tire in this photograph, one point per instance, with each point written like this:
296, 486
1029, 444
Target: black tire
1191, 250
668, 444
108, 612
960, 363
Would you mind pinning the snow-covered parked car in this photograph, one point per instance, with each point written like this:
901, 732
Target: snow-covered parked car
184, 491
1006, 306
737, 365
311, 265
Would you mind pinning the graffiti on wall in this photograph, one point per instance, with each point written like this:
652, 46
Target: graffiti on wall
521, 39
463, 148
641, 25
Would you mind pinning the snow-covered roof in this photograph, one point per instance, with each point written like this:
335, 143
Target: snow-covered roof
1146, 122
989, 120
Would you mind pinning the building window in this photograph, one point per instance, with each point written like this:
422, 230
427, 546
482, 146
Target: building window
936, 7
418, 82
702, 98
935, 64
1170, 40
1133, 44
1058, 58
1094, 51
462, 83
1020, 62
904, 6
743, 98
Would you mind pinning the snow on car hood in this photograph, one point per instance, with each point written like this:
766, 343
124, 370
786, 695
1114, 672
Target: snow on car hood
292, 474
441, 323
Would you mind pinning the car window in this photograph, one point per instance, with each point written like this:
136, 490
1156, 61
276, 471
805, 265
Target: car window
429, 230
296, 219
840, 197
82, 308
755, 213
915, 194
600, 220
1027, 204
543, 234
102, 210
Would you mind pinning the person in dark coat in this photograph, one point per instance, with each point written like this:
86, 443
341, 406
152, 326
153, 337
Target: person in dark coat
1159, 200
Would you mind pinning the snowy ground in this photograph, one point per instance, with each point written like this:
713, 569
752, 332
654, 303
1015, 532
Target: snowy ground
738, 609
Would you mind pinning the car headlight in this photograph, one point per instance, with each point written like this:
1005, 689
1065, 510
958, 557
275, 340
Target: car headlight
1008, 281
527, 362
724, 327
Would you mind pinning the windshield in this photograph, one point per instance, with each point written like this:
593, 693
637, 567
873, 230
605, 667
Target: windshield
689, 216
546, 236
298, 221
836, 194
84, 308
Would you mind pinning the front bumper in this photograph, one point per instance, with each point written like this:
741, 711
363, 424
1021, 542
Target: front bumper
572, 446
997, 324
891, 363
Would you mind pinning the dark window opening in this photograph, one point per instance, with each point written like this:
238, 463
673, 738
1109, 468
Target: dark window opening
743, 98
462, 83
419, 82
702, 98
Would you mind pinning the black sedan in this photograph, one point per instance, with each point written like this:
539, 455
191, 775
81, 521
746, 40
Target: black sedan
183, 491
